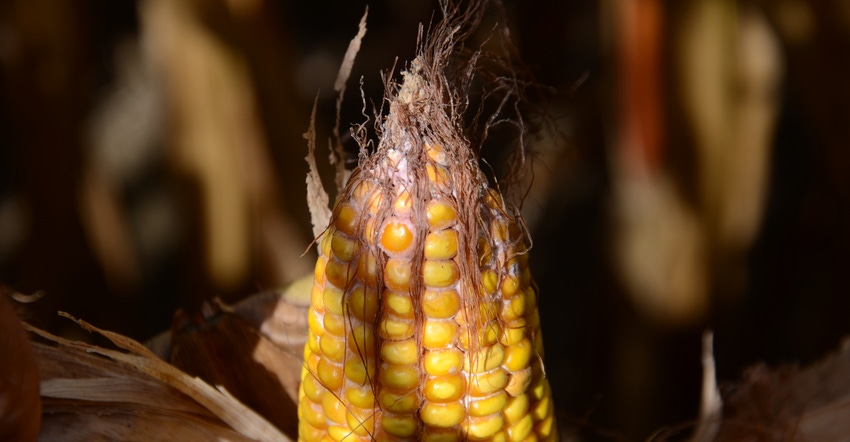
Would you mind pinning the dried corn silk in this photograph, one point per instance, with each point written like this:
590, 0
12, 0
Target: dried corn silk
423, 319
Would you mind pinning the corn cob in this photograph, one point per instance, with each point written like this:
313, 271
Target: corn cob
423, 322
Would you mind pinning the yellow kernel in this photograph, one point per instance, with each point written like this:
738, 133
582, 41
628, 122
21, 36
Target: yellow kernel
362, 192
510, 286
400, 425
339, 273
438, 333
325, 243
436, 153
493, 199
333, 347
516, 409
330, 374
499, 230
333, 408
488, 405
437, 175
343, 247
309, 433
361, 422
440, 214
312, 414
396, 329
399, 303
403, 203
320, 270
546, 428
540, 409
518, 356
538, 344
485, 359
313, 342
512, 335
512, 309
443, 362
338, 433
362, 397
334, 324
400, 377
530, 299
485, 251
367, 269
397, 274
347, 219
490, 281
518, 382
521, 430
312, 388
438, 274
440, 304
363, 303
484, 427
400, 352
316, 297
313, 360
396, 237
314, 321
398, 403
441, 244
444, 388
361, 341
373, 202
432, 434
332, 299
442, 415
484, 384
359, 371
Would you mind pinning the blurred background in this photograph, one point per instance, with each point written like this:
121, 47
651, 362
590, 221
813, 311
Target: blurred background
694, 173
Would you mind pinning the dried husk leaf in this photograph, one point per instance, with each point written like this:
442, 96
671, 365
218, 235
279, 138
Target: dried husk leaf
20, 406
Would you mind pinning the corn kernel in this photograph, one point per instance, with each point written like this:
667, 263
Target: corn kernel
484, 427
343, 247
437, 175
332, 299
396, 237
316, 297
313, 360
333, 408
314, 322
440, 214
312, 413
330, 374
490, 281
512, 309
499, 230
546, 428
510, 286
359, 371
367, 269
521, 430
540, 410
444, 388
512, 335
347, 219
398, 402
493, 199
519, 382
339, 273
488, 405
437, 274
396, 329
361, 422
320, 270
361, 341
403, 203
443, 362
516, 409
485, 359
339, 433
440, 304
400, 352
436, 153
399, 303
441, 244
442, 415
313, 342
333, 347
438, 333
325, 242
362, 397
484, 384
309, 433
518, 356
363, 303
399, 377
312, 388
397, 274
400, 425
485, 251
334, 324
432, 434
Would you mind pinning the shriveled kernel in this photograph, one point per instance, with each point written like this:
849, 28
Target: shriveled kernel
516, 408
399, 303
396, 329
490, 280
361, 422
396, 237
440, 304
362, 397
330, 374
333, 347
332, 298
444, 388
440, 214
333, 408
400, 425
438, 333
442, 415
347, 219
339, 273
359, 371
334, 324
519, 382
398, 402
484, 384
485, 251
499, 230
485, 359
397, 274
343, 247
484, 427
521, 430
493, 199
403, 203
518, 356
400, 377
361, 340
436, 153
488, 405
441, 244
443, 362
312, 388
400, 352
373, 202
363, 303
437, 274
312, 414
437, 175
